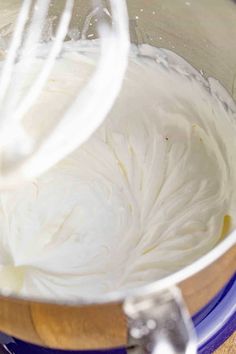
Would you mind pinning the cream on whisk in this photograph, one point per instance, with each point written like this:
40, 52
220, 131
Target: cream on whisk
146, 195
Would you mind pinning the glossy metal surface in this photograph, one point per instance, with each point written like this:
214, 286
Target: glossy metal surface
203, 32
205, 322
160, 322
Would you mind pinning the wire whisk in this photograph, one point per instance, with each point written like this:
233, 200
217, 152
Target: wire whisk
22, 158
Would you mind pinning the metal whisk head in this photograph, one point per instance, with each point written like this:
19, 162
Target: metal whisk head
22, 157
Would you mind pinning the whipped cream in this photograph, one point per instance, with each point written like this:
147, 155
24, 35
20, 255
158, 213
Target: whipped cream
146, 195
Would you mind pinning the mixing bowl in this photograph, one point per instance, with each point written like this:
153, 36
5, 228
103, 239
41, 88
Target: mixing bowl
203, 32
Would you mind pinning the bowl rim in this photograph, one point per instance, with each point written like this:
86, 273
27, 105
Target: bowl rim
154, 287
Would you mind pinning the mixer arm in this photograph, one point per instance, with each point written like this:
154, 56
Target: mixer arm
159, 324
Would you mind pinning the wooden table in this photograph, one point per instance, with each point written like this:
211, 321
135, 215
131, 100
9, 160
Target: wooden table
229, 347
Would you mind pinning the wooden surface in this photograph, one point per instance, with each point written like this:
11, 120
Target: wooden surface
229, 347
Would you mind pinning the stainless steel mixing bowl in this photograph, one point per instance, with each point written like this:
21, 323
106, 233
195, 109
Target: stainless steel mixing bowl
203, 32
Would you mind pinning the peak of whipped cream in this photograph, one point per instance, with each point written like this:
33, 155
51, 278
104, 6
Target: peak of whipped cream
146, 195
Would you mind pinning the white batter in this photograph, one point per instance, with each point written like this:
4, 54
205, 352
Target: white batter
148, 194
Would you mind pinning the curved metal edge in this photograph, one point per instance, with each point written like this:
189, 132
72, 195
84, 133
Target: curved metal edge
209, 315
215, 342
119, 296
216, 322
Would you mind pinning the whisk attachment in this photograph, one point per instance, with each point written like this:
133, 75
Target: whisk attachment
23, 158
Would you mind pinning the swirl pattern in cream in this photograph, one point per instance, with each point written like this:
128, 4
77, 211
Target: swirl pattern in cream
146, 195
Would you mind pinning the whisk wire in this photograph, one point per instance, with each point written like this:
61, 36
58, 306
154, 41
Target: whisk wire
26, 57
40, 81
8, 67
83, 116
